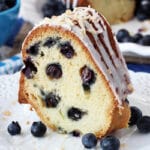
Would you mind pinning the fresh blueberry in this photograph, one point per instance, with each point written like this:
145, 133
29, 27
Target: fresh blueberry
14, 128
53, 7
67, 50
137, 37
54, 71
121, 34
128, 39
110, 143
38, 129
52, 100
136, 114
89, 140
34, 49
141, 16
145, 40
30, 69
145, 6
75, 113
143, 124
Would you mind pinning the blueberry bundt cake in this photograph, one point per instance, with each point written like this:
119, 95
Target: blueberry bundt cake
75, 76
115, 11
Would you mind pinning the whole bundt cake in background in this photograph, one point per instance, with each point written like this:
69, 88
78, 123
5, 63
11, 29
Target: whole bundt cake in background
75, 76
115, 11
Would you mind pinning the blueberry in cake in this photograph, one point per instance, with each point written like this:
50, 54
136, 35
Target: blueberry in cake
75, 76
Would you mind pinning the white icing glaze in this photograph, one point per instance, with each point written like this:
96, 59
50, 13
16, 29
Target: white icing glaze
112, 66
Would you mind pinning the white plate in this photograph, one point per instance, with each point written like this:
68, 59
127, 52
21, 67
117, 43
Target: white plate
11, 110
132, 49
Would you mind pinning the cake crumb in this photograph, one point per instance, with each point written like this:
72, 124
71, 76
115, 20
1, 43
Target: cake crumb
31, 108
123, 145
3, 118
7, 113
28, 122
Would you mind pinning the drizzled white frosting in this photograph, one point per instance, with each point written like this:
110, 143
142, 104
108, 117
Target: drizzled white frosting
83, 21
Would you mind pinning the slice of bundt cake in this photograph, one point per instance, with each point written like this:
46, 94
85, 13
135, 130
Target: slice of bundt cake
75, 76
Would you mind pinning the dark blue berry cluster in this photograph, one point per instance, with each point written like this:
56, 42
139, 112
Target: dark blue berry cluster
142, 122
53, 8
124, 36
142, 9
89, 141
6, 4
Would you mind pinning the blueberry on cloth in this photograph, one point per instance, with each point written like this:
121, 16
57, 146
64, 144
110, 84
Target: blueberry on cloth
38, 129
136, 114
110, 143
121, 34
14, 128
89, 140
145, 40
143, 124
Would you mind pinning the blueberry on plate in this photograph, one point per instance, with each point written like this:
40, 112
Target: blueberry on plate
136, 114
137, 37
145, 6
38, 129
110, 143
53, 7
14, 128
141, 15
128, 39
143, 124
121, 34
89, 140
145, 40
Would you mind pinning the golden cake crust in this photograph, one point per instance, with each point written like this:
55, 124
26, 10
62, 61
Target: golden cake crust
119, 116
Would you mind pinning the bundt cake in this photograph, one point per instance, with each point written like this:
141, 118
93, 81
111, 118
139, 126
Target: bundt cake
75, 76
115, 11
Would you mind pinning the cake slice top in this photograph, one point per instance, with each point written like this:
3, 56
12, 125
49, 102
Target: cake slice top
95, 33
